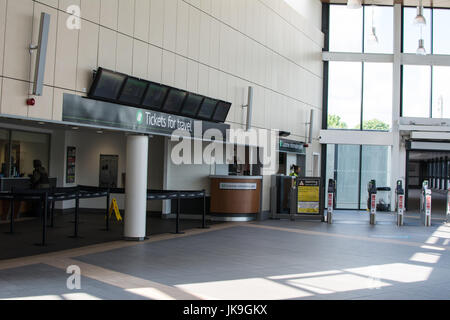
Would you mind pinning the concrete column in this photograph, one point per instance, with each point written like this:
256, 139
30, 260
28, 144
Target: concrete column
136, 188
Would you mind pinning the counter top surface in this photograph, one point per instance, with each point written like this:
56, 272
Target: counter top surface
237, 177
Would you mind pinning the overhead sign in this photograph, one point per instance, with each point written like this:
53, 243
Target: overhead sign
291, 146
81, 110
308, 195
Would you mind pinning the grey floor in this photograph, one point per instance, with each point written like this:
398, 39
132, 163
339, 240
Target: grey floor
274, 259
28, 233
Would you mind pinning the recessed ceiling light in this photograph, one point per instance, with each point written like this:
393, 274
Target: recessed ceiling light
41, 123
100, 131
75, 128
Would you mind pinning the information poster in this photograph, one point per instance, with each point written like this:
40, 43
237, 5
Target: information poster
70, 165
308, 196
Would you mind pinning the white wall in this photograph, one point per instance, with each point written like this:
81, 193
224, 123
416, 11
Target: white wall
213, 47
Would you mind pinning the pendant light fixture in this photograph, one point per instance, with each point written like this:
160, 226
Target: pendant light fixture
373, 39
420, 18
421, 49
354, 4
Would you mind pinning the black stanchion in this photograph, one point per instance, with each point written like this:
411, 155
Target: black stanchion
77, 206
204, 226
107, 210
11, 223
177, 223
52, 217
43, 204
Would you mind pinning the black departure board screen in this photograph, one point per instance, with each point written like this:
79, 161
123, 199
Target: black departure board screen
107, 85
207, 109
191, 105
174, 101
222, 110
133, 91
155, 96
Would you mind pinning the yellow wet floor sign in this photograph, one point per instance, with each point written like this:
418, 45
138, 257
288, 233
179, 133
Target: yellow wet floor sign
114, 207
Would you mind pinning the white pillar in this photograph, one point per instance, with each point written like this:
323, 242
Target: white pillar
136, 188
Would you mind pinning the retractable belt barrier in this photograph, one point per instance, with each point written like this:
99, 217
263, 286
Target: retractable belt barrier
52, 195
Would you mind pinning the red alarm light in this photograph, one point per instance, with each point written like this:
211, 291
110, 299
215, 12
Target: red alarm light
31, 102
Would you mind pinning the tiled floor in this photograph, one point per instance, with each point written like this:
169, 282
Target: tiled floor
274, 259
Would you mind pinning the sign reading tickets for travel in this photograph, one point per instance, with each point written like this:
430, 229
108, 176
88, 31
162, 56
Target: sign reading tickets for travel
308, 195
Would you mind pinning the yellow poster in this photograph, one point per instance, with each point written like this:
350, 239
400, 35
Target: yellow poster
308, 198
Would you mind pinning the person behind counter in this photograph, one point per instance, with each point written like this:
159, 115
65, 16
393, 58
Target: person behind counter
295, 171
39, 179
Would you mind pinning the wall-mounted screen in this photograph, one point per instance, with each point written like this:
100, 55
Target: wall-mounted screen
222, 110
191, 105
133, 91
107, 85
207, 109
155, 96
174, 101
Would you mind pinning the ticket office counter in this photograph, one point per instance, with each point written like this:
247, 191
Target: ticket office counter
236, 198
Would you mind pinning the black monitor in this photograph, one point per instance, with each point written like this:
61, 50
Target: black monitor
222, 110
133, 91
207, 109
191, 105
174, 101
107, 85
155, 96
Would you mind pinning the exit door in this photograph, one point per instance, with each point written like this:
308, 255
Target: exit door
109, 167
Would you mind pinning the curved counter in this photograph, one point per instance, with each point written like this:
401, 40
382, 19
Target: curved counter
235, 198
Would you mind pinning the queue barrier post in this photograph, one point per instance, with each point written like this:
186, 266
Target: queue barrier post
11, 222
204, 226
177, 222
77, 206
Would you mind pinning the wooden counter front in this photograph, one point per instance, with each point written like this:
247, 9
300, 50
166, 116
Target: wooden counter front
235, 201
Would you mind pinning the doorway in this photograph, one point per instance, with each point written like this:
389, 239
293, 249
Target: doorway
109, 166
431, 166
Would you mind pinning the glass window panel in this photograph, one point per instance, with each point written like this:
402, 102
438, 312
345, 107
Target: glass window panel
27, 147
441, 92
4, 151
441, 25
377, 103
381, 39
347, 177
344, 95
412, 33
416, 91
345, 29
375, 164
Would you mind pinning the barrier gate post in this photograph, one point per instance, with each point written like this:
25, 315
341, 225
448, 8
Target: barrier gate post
372, 188
330, 207
427, 217
448, 206
400, 202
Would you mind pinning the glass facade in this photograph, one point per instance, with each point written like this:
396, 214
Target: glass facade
416, 91
353, 166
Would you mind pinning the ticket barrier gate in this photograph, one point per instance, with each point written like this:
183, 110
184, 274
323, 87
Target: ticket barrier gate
400, 196
448, 206
330, 200
372, 205
425, 204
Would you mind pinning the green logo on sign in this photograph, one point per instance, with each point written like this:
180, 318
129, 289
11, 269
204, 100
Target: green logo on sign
140, 117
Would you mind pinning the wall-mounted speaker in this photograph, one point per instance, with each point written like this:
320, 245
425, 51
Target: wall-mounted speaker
41, 54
